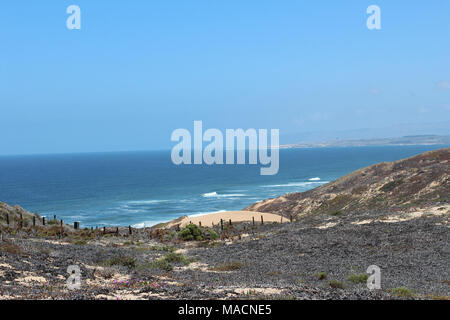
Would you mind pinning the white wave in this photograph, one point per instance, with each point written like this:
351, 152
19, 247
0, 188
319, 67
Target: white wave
314, 179
148, 223
216, 195
209, 194
295, 184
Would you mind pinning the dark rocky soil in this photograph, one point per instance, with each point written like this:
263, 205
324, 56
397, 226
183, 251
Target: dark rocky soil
269, 261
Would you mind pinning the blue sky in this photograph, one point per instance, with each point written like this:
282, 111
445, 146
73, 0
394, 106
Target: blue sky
137, 70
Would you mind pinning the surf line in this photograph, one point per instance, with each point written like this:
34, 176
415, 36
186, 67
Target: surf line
213, 153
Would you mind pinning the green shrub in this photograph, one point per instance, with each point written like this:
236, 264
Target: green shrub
358, 278
321, 275
191, 232
402, 292
194, 232
164, 263
213, 235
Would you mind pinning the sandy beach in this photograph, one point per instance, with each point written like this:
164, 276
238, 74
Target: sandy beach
226, 216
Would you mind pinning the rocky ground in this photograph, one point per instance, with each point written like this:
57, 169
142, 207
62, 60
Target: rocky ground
312, 259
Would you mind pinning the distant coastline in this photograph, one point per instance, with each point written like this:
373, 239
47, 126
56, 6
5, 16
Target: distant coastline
415, 140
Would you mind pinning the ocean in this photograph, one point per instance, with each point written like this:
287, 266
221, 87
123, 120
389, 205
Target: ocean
145, 188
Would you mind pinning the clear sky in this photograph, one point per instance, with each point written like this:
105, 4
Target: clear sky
137, 70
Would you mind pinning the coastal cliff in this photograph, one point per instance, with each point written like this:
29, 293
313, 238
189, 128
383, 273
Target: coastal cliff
419, 181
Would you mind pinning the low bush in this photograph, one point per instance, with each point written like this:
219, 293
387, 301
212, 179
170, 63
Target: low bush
358, 278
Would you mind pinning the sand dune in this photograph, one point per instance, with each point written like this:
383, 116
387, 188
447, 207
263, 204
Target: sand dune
235, 216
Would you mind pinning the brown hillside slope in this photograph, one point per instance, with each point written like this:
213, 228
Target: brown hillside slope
419, 181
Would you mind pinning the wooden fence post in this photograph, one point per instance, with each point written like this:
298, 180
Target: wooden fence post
221, 224
76, 225
199, 223
129, 229
43, 221
34, 221
117, 231
290, 217
262, 220
7, 219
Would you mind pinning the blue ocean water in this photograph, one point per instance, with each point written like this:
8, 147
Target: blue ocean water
145, 188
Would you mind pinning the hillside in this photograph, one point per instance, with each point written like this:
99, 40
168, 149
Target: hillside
392, 215
403, 185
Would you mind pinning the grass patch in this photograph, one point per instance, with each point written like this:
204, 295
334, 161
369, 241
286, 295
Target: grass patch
358, 278
321, 275
336, 284
403, 292
228, 266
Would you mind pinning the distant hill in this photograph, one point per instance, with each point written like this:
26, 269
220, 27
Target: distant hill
401, 141
421, 180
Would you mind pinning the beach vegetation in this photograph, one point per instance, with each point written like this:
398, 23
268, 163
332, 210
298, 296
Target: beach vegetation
358, 278
321, 275
165, 263
194, 232
403, 292
191, 232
